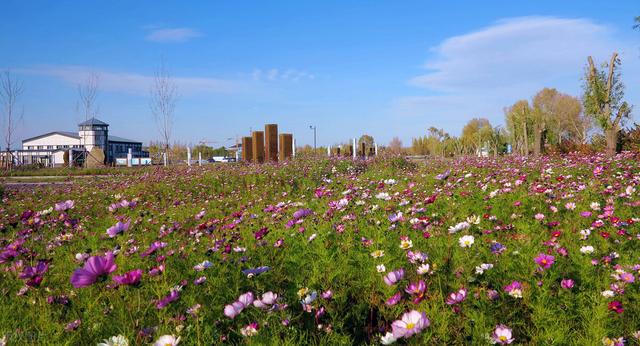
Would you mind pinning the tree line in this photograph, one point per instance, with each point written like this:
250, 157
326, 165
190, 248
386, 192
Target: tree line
549, 121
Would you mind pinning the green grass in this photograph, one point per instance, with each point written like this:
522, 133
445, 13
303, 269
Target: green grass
235, 197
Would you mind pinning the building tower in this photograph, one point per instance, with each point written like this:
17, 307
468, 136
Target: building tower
94, 133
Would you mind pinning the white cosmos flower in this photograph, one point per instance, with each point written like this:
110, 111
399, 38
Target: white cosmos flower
423, 269
381, 268
483, 267
167, 340
607, 293
466, 241
383, 195
388, 339
118, 340
587, 249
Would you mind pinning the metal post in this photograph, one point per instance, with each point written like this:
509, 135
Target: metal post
314, 137
375, 145
188, 156
200, 159
355, 149
329, 150
293, 147
164, 158
129, 158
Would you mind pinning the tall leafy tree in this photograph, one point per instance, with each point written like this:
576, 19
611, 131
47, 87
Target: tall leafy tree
603, 99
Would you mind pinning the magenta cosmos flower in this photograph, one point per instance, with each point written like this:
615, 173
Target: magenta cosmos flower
94, 268
34, 275
393, 277
129, 278
567, 283
416, 289
544, 261
411, 323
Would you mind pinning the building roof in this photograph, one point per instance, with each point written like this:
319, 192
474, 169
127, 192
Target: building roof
121, 140
63, 133
93, 121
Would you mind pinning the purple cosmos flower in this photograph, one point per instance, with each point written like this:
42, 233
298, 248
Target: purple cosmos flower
393, 277
234, 309
131, 278
411, 323
94, 268
255, 271
35, 274
567, 283
417, 257
544, 261
171, 297
200, 280
328, 294
497, 248
301, 213
62, 206
153, 248
71, 326
443, 176
457, 297
627, 277
119, 227
394, 299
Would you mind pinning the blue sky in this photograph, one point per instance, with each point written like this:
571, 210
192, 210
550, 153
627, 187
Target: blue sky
386, 68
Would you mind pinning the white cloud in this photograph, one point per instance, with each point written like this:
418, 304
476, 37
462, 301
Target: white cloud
479, 73
275, 74
172, 35
132, 82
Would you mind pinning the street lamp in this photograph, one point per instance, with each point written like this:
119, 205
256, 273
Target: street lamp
314, 136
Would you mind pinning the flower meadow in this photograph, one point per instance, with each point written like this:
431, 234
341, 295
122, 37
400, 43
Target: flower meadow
508, 250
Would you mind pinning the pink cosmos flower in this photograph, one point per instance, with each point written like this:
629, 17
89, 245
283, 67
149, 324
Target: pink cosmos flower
457, 297
544, 261
411, 323
502, 335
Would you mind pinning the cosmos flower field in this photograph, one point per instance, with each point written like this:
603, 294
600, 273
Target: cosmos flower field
539, 251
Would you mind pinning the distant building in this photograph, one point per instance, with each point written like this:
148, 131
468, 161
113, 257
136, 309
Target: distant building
49, 148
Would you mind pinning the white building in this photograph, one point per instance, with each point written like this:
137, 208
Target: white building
49, 149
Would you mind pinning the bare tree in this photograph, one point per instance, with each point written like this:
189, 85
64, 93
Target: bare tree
164, 93
395, 146
88, 93
10, 91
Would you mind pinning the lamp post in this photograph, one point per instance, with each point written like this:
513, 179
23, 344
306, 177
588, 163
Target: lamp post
314, 137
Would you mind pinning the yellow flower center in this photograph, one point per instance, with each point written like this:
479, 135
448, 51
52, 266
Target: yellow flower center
502, 338
410, 325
